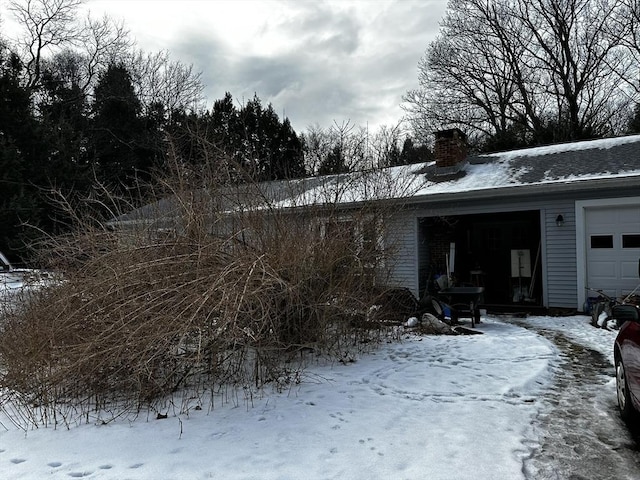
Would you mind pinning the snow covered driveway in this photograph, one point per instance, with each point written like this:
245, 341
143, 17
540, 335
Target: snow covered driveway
443, 407
582, 434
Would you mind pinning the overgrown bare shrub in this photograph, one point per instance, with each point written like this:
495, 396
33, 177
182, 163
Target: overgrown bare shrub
204, 288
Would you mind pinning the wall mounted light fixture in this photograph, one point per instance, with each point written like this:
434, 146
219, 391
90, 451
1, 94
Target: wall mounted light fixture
560, 220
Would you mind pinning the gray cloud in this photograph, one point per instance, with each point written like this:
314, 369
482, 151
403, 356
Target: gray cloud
270, 77
322, 61
318, 28
338, 64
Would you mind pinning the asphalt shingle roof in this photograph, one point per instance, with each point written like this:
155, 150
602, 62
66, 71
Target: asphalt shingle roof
572, 160
613, 158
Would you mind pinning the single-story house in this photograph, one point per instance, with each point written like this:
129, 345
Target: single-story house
537, 226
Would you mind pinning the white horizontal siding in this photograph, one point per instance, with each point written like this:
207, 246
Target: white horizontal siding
401, 241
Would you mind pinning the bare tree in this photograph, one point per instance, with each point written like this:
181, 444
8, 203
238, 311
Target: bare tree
628, 20
352, 144
346, 148
104, 42
315, 146
343, 147
53, 35
575, 50
545, 70
465, 75
159, 79
48, 24
384, 146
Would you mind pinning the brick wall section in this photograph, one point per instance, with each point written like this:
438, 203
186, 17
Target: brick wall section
450, 147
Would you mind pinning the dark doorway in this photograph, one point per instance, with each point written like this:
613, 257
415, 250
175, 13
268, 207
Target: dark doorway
500, 251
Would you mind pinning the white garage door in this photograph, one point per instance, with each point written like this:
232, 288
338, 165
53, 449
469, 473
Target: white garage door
613, 248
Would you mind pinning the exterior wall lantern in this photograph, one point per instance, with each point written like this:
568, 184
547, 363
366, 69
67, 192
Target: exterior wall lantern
560, 220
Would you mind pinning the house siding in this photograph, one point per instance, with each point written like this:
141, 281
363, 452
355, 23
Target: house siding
564, 272
401, 236
559, 269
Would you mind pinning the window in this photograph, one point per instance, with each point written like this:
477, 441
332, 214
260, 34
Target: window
601, 241
631, 240
370, 236
340, 231
363, 237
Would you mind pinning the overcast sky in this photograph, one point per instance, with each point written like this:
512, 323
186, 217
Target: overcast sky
315, 61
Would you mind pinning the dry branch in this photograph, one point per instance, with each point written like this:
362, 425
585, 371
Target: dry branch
226, 296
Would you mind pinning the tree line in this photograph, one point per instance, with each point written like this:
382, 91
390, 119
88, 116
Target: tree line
81, 105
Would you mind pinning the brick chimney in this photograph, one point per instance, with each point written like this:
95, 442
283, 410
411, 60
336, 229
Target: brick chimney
450, 148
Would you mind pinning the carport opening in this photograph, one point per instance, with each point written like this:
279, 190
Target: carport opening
499, 251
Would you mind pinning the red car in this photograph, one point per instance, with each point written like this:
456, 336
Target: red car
627, 359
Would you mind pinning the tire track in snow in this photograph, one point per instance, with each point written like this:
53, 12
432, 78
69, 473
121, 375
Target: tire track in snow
581, 435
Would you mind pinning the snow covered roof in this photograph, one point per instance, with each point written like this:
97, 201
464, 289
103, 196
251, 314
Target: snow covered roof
568, 162
563, 166
613, 162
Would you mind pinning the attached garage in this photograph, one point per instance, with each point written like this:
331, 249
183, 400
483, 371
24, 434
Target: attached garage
579, 202
610, 243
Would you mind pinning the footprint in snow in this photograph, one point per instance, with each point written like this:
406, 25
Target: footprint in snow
54, 464
79, 474
136, 465
16, 461
105, 467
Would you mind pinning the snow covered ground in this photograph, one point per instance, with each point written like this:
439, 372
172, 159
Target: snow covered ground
429, 407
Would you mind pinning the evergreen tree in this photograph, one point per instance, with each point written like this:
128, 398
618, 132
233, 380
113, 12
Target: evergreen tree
20, 158
119, 143
412, 153
634, 120
64, 114
333, 163
393, 156
291, 156
260, 144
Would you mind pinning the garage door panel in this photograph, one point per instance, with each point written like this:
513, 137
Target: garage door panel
628, 216
606, 270
629, 270
613, 248
598, 217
